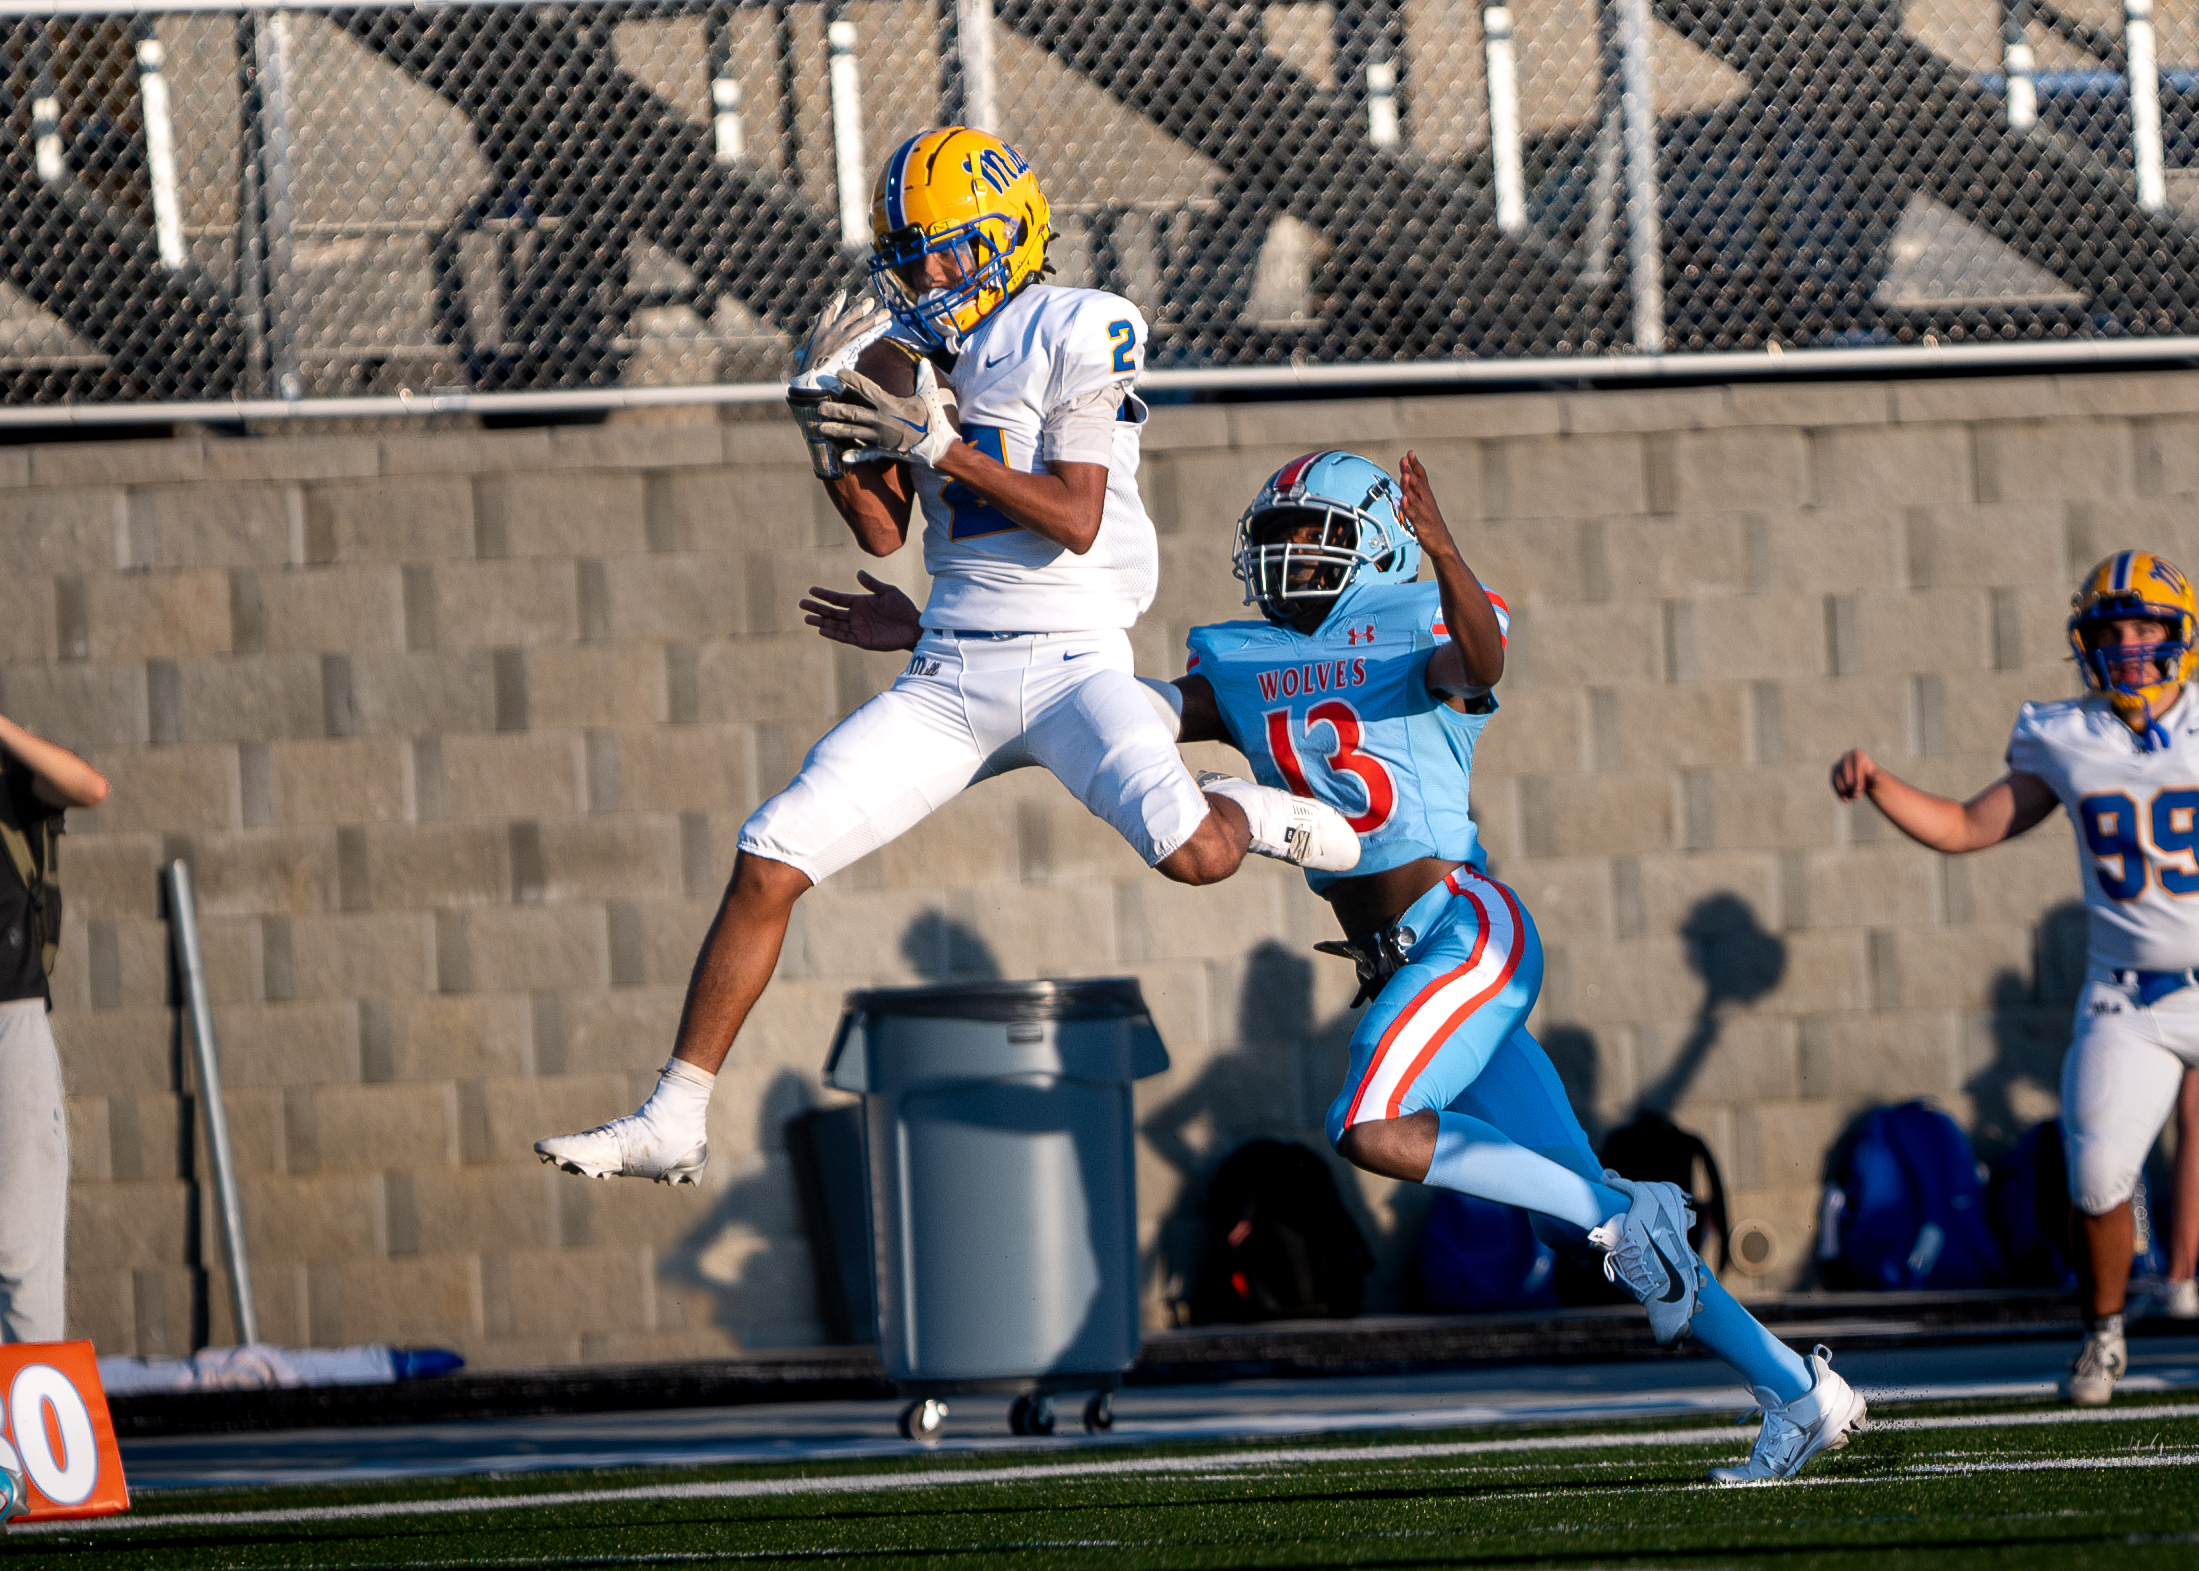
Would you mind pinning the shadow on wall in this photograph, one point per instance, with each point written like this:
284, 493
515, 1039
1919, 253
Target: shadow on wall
2031, 1021
1277, 1084
1735, 958
748, 1253
756, 1253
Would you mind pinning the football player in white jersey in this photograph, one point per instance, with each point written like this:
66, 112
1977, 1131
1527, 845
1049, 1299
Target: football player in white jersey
1041, 555
2123, 762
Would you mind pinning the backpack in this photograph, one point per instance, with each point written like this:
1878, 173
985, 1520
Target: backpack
2028, 1202
1481, 1255
2027, 1199
1280, 1245
35, 855
1906, 1209
1656, 1150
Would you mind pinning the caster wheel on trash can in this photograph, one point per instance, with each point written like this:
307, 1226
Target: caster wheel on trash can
924, 1421
1099, 1414
1031, 1415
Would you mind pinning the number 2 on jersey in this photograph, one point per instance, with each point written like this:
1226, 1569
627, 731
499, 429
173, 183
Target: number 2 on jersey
1124, 337
1372, 773
2113, 831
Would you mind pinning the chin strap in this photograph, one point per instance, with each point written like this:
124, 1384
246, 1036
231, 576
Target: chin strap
2155, 739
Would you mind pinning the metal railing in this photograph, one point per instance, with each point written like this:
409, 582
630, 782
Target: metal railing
379, 205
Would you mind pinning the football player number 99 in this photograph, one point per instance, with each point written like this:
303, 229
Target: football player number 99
2112, 825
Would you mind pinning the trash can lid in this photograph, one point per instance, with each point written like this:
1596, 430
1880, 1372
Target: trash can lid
1090, 998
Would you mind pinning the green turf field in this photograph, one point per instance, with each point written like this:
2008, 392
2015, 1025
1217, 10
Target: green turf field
2000, 1488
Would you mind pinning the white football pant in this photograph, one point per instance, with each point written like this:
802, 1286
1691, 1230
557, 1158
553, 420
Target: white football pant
34, 1176
2119, 1084
971, 707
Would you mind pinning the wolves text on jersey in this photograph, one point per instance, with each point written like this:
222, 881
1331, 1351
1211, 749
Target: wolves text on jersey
1328, 676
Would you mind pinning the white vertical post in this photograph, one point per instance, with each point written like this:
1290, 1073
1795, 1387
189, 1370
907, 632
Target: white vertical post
273, 60
160, 152
973, 38
46, 128
847, 135
725, 119
1382, 128
2145, 104
183, 923
1638, 128
1503, 71
2017, 65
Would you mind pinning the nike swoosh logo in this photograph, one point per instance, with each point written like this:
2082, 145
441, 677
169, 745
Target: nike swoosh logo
1075, 654
991, 363
1672, 1276
913, 426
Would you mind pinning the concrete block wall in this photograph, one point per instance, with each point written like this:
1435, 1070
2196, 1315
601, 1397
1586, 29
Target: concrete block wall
457, 728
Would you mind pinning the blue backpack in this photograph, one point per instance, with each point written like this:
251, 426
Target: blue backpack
1478, 1255
1906, 1209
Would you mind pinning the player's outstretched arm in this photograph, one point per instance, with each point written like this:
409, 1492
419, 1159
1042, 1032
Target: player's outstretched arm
1202, 713
883, 619
874, 499
62, 778
1473, 661
2010, 806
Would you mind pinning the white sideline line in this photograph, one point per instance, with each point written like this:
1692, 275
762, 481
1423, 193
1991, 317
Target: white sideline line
859, 1483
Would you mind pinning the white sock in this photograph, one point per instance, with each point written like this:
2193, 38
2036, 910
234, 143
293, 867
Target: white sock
681, 1102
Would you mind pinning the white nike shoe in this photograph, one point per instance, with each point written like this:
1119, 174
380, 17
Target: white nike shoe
629, 1147
1646, 1251
2181, 1302
1294, 829
1818, 1420
2100, 1363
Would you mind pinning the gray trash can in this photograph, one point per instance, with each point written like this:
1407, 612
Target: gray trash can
998, 1136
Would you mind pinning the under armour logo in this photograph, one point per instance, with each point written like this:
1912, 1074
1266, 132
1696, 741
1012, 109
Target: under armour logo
1353, 635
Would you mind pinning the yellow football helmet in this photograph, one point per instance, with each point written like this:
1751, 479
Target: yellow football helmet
2128, 586
972, 199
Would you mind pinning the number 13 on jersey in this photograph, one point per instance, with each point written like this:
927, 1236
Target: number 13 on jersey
1371, 773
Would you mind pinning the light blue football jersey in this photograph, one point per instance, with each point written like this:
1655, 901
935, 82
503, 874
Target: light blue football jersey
1344, 715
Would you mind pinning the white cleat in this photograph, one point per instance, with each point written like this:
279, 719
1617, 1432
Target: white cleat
1646, 1251
2181, 1302
2100, 1363
629, 1147
1819, 1420
1293, 829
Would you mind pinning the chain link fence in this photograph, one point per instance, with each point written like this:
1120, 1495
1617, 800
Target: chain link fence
297, 204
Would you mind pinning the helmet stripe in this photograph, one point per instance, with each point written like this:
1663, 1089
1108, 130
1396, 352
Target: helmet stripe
897, 170
2121, 579
1292, 472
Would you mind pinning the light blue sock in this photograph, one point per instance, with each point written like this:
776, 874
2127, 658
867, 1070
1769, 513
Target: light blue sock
1479, 1159
1738, 1337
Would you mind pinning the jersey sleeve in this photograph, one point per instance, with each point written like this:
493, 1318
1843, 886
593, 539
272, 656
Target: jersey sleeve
2029, 751
1103, 346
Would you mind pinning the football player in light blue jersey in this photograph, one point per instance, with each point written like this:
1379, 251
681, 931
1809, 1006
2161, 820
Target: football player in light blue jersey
1368, 690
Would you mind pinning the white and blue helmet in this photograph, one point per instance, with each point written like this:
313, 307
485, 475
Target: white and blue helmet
1364, 537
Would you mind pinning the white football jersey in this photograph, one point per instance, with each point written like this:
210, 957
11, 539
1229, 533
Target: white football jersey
2136, 815
1026, 364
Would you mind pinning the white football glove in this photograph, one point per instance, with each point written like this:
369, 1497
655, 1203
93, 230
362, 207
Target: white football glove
885, 426
841, 334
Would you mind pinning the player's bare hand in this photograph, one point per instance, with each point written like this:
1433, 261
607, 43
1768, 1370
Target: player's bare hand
885, 618
1421, 511
1853, 774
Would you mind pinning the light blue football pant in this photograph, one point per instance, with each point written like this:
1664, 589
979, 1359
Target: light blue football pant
1448, 1035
